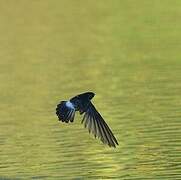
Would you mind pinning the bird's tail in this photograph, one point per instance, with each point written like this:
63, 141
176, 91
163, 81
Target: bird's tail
65, 112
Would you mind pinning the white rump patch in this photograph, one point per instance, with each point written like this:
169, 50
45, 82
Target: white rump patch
69, 105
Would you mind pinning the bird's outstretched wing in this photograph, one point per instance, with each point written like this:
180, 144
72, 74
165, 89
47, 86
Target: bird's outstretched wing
65, 111
96, 124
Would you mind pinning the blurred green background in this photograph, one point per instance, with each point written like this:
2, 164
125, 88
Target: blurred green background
128, 52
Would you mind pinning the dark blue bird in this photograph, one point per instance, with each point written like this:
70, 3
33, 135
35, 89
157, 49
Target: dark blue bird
91, 119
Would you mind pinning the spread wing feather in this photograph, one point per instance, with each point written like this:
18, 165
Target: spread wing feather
97, 126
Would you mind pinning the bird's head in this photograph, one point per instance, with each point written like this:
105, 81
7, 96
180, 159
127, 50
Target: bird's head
90, 95
84, 96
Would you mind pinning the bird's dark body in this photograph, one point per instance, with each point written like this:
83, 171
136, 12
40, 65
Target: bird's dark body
92, 119
82, 101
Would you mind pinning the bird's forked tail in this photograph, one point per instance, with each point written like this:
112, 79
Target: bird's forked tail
65, 111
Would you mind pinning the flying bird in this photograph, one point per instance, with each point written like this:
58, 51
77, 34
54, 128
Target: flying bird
91, 117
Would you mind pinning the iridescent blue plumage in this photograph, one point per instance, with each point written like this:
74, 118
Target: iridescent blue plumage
92, 119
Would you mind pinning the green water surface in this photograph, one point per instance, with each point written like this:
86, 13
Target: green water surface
128, 52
